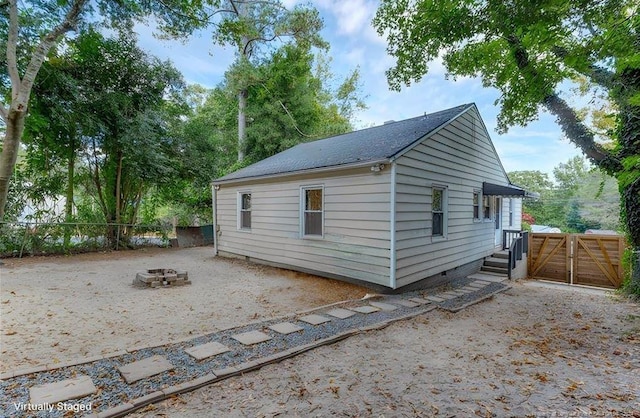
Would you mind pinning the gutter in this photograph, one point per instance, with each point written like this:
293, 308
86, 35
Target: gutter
214, 195
303, 172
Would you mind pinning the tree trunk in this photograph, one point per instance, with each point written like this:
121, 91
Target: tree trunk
9, 155
21, 88
242, 124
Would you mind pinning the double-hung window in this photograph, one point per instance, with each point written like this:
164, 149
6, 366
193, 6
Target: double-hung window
477, 198
486, 208
439, 212
244, 211
312, 211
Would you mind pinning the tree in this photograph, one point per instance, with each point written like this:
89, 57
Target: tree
527, 50
247, 25
30, 34
549, 209
293, 101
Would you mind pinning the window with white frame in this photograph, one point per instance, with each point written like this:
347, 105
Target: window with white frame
477, 198
312, 211
486, 208
438, 211
511, 211
244, 210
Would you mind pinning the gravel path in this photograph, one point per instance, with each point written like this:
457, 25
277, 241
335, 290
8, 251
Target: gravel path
527, 352
114, 391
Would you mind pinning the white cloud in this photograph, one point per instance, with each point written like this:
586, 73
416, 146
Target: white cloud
352, 17
289, 4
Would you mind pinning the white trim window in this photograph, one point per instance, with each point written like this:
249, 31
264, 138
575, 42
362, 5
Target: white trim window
244, 210
439, 211
312, 211
486, 208
477, 199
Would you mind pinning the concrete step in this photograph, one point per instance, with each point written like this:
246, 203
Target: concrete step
496, 262
494, 270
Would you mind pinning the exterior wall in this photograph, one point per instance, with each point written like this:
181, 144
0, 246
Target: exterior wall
517, 213
356, 239
459, 157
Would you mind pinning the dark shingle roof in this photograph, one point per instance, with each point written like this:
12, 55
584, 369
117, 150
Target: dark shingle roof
371, 144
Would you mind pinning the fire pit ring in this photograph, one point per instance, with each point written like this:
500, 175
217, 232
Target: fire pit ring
161, 278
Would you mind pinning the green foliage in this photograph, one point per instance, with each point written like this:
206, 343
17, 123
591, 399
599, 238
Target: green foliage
580, 198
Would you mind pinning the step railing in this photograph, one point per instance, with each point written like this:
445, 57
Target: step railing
517, 242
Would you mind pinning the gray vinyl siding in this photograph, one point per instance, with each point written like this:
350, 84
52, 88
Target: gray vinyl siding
356, 241
460, 160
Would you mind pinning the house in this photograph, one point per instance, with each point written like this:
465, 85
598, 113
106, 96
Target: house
389, 206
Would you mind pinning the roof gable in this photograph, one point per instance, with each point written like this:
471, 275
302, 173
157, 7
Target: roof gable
366, 145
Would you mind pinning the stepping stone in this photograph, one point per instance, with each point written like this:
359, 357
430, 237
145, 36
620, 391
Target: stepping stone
142, 369
476, 285
466, 290
435, 299
423, 301
251, 337
285, 328
384, 306
63, 390
365, 309
406, 303
203, 351
341, 313
314, 319
448, 295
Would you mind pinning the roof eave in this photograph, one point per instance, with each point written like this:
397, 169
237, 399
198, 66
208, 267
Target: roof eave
318, 170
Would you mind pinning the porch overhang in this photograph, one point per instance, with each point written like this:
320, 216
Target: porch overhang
490, 189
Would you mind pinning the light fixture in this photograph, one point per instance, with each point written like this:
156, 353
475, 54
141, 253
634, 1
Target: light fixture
377, 168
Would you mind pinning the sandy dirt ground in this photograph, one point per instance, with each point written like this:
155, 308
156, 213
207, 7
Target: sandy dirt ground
527, 352
59, 309
530, 351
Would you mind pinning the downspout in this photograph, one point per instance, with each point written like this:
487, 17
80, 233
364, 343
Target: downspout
214, 193
392, 222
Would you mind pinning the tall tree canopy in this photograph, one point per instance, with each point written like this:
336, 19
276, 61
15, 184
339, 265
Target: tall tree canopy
251, 25
32, 27
294, 99
528, 50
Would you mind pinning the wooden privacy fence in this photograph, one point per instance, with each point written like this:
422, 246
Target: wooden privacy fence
591, 260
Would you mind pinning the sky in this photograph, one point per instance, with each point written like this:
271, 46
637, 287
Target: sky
355, 44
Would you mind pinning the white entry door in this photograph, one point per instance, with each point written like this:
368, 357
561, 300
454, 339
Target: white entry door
497, 213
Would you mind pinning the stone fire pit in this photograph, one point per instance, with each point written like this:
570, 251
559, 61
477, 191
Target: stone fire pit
161, 278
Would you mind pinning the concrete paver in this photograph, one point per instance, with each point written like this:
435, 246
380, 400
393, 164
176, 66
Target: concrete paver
477, 285
435, 299
285, 328
251, 337
340, 313
142, 369
314, 319
365, 309
406, 303
421, 301
203, 351
63, 390
384, 306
